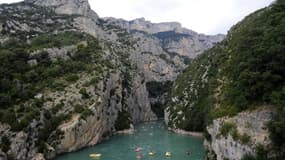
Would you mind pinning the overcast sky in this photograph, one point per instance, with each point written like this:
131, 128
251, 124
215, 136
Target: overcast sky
203, 16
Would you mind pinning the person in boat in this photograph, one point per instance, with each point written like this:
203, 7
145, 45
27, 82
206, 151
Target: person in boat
167, 154
139, 156
138, 149
151, 153
95, 155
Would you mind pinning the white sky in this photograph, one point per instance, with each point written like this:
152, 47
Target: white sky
203, 16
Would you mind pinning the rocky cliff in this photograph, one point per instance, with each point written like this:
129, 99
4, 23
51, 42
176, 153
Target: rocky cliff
70, 7
234, 137
70, 79
172, 36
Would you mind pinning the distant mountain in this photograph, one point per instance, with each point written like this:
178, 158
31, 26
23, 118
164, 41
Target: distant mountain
173, 37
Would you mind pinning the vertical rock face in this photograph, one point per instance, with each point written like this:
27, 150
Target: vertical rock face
248, 130
164, 49
141, 24
79, 7
79, 133
172, 36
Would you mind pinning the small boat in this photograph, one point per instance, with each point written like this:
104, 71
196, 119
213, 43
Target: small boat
167, 154
151, 153
138, 149
95, 155
140, 156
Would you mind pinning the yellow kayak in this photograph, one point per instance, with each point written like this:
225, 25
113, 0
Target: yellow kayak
167, 154
151, 153
95, 155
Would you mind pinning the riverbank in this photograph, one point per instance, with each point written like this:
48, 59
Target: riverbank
127, 131
183, 132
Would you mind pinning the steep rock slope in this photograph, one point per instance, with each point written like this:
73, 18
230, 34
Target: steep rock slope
70, 7
70, 79
173, 38
243, 73
163, 50
62, 89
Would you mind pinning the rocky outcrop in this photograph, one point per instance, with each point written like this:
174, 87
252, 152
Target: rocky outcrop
249, 129
70, 7
80, 133
141, 24
55, 54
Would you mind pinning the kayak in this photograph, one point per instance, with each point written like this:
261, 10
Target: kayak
167, 154
96, 155
139, 156
151, 153
138, 149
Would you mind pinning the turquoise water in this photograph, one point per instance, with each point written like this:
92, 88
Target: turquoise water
149, 136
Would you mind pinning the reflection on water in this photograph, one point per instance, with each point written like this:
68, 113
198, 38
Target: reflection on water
151, 136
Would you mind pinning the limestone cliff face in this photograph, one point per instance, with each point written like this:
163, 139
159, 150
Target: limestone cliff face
79, 133
80, 7
70, 7
141, 24
172, 36
250, 130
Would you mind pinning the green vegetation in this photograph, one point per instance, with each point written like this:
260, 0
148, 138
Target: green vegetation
84, 93
227, 128
50, 126
192, 92
78, 108
277, 126
231, 128
39, 19
244, 138
20, 81
123, 121
244, 71
256, 67
71, 77
86, 113
261, 154
57, 40
5, 144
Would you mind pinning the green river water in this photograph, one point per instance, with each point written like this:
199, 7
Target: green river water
149, 136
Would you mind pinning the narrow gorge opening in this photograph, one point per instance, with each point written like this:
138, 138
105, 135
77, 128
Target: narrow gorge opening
158, 93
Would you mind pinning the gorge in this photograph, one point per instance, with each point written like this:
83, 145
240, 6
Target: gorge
70, 79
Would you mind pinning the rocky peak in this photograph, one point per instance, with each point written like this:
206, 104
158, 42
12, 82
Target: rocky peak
80, 7
143, 25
